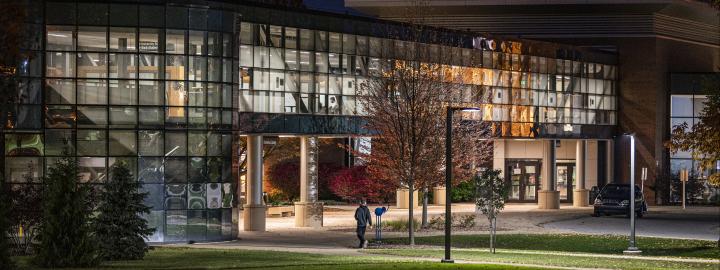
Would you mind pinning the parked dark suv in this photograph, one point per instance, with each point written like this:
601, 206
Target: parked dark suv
615, 199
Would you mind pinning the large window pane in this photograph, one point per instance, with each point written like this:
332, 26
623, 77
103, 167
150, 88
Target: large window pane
175, 117
196, 40
59, 91
92, 65
681, 105
151, 93
175, 67
198, 172
175, 93
197, 221
175, 41
196, 94
122, 39
60, 116
176, 220
123, 116
196, 117
91, 142
214, 69
214, 46
92, 92
59, 142
91, 116
197, 143
122, 143
24, 169
151, 66
123, 65
175, 143
151, 116
60, 38
60, 64
92, 38
150, 40
175, 170
150, 169
151, 143
91, 169
123, 92
197, 68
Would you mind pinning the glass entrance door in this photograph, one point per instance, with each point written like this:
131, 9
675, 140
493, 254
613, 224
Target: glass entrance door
523, 177
565, 180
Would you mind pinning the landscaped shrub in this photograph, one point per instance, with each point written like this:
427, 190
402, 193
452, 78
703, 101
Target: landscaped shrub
65, 236
119, 224
399, 225
5, 261
463, 192
284, 180
458, 221
25, 214
355, 183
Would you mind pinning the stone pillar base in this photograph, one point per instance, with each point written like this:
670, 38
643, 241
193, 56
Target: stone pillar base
548, 199
580, 197
403, 198
309, 214
439, 195
254, 218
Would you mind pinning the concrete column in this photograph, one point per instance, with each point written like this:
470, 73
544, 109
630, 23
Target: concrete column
580, 194
308, 211
439, 195
548, 196
254, 210
403, 198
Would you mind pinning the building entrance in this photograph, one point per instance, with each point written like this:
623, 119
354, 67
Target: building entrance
524, 179
565, 180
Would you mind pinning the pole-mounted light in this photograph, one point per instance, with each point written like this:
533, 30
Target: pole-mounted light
448, 175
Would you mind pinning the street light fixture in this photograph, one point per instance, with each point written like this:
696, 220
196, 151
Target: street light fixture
632, 248
448, 175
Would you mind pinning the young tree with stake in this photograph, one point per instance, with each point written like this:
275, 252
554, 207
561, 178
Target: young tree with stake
491, 192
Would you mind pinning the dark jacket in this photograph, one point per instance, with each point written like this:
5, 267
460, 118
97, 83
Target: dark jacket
362, 216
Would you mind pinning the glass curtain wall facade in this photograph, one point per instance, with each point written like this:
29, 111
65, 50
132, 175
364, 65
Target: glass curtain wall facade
687, 101
169, 89
291, 70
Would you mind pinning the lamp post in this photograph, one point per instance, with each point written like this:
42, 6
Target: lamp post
448, 176
632, 248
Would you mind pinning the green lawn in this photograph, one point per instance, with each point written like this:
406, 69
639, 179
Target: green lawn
602, 244
191, 258
508, 256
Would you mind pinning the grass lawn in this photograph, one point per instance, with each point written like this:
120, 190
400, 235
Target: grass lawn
508, 256
191, 258
603, 244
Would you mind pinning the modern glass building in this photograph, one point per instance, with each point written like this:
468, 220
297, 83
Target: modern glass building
174, 87
665, 48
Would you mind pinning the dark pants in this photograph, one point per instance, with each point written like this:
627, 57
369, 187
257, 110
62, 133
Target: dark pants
361, 235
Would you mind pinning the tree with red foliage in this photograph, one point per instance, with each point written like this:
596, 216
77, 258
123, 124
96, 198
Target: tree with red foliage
355, 183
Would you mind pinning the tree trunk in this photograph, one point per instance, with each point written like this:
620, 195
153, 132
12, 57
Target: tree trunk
425, 208
494, 230
411, 221
490, 232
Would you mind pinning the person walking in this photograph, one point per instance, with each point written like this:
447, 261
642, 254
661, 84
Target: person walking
363, 218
